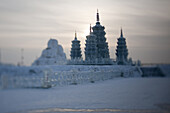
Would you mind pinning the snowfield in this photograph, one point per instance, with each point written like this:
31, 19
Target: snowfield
118, 93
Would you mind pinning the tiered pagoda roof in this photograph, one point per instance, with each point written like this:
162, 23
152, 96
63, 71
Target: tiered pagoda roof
121, 51
75, 50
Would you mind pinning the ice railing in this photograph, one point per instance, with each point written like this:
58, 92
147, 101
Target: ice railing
50, 78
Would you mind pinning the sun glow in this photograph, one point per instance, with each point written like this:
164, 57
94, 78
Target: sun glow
86, 32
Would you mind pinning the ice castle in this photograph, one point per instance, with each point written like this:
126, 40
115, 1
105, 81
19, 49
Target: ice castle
96, 48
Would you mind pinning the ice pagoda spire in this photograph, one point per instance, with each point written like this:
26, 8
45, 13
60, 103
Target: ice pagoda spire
97, 16
90, 28
121, 32
75, 35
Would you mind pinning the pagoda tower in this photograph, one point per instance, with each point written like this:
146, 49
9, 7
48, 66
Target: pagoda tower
91, 48
75, 50
121, 51
96, 45
102, 45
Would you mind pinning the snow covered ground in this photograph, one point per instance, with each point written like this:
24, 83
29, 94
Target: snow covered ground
119, 93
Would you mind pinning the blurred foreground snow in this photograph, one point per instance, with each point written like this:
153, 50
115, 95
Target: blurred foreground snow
118, 93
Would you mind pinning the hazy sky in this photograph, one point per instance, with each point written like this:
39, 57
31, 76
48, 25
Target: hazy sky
29, 24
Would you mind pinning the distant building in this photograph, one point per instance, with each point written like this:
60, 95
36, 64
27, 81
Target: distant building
121, 51
75, 49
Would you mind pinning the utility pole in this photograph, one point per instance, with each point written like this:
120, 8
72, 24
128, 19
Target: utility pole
22, 56
0, 55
